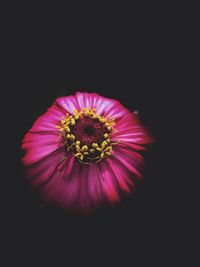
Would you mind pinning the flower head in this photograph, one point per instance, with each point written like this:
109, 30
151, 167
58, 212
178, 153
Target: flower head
83, 151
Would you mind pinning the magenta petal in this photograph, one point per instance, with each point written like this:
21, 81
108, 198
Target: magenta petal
94, 185
116, 110
131, 145
44, 125
128, 151
122, 176
84, 197
68, 103
61, 191
69, 163
129, 131
111, 108
128, 121
70, 192
47, 122
102, 104
108, 182
41, 172
86, 100
106, 106
55, 113
139, 137
37, 153
31, 140
128, 160
93, 100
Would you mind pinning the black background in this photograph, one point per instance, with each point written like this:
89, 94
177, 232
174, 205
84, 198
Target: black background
137, 59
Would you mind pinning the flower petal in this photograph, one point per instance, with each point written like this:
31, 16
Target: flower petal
116, 110
94, 185
84, 202
104, 106
122, 176
111, 108
108, 182
47, 122
31, 140
61, 191
129, 130
68, 103
86, 100
37, 153
41, 172
128, 160
44, 125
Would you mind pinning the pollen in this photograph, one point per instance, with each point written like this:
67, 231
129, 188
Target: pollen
87, 135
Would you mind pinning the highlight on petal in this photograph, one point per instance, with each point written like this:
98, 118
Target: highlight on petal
69, 104
84, 152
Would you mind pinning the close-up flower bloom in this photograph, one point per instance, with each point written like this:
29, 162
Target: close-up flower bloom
84, 152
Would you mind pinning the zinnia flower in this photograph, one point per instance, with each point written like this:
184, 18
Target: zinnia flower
83, 152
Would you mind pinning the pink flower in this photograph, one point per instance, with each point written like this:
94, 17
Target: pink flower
83, 152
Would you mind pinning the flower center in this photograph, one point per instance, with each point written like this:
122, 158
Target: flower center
89, 130
87, 135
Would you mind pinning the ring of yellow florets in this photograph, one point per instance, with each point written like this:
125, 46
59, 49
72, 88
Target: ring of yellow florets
95, 151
